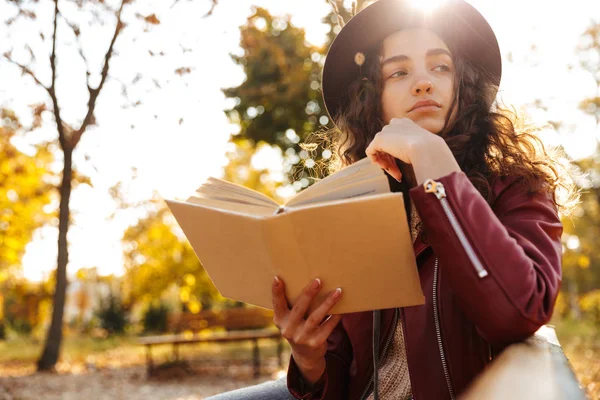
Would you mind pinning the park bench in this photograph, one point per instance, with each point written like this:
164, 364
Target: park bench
240, 324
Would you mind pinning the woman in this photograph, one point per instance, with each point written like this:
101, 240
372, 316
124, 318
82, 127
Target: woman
414, 92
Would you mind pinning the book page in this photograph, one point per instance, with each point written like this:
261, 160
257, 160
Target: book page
363, 166
350, 190
359, 179
233, 206
224, 191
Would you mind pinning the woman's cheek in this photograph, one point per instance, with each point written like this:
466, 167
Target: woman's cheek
392, 107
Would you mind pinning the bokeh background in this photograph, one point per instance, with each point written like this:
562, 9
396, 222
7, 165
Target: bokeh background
138, 101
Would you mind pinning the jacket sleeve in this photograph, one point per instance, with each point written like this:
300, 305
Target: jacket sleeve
506, 279
333, 384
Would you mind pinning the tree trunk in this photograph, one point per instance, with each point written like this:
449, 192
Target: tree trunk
54, 336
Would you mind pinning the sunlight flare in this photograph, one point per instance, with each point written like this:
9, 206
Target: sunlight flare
426, 5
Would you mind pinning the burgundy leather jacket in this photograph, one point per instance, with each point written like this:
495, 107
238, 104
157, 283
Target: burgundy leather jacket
490, 276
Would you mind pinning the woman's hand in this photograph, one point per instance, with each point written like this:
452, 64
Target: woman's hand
405, 140
307, 337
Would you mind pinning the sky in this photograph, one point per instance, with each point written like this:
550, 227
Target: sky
174, 158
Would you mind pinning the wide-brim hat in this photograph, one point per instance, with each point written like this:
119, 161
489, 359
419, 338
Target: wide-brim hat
464, 30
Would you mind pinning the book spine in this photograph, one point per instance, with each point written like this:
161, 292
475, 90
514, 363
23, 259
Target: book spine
280, 210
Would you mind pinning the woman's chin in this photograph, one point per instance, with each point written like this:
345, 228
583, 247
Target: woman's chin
432, 124
429, 124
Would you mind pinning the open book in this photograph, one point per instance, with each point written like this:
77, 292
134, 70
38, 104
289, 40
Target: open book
347, 229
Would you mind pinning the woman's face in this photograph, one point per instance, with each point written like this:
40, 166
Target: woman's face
418, 78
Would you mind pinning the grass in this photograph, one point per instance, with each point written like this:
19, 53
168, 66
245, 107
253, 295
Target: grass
25, 349
19, 355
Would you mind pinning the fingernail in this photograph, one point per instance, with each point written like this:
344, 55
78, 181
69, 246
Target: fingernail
276, 284
337, 293
316, 283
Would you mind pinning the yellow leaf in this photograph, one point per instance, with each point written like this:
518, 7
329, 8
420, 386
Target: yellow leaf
152, 19
194, 307
81, 273
583, 261
190, 279
184, 296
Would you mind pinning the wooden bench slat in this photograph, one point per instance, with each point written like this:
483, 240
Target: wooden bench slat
215, 337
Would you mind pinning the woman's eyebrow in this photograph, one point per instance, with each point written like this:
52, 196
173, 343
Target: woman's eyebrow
437, 52
402, 57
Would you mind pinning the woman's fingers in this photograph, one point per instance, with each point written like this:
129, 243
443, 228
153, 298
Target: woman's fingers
280, 303
316, 317
388, 163
379, 158
327, 327
372, 150
301, 305
392, 168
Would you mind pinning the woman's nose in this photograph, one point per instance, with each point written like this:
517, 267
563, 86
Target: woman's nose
422, 86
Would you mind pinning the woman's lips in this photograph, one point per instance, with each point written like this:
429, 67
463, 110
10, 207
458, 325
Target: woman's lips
425, 106
425, 109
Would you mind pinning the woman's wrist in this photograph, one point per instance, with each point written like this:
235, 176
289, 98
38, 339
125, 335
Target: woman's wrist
311, 371
433, 160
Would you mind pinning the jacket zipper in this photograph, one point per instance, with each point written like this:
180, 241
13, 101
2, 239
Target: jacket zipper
438, 330
437, 188
385, 346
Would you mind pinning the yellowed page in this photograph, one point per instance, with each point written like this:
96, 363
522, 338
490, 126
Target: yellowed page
358, 169
232, 205
221, 188
375, 185
361, 177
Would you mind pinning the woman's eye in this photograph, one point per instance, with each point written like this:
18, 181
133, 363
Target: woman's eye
443, 68
398, 73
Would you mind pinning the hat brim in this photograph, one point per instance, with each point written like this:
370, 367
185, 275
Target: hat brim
459, 24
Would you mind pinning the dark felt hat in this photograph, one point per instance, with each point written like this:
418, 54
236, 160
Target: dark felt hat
459, 24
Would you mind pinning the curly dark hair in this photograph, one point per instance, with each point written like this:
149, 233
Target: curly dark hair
488, 141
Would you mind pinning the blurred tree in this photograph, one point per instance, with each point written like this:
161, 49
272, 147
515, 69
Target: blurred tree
68, 138
96, 13
280, 102
24, 192
156, 258
22, 302
155, 319
278, 66
589, 56
581, 263
590, 305
25, 189
112, 315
